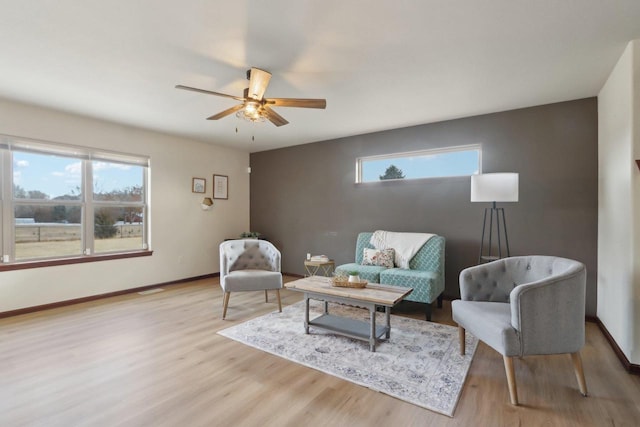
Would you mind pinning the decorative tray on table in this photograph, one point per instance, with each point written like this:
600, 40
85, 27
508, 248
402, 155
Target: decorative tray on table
343, 282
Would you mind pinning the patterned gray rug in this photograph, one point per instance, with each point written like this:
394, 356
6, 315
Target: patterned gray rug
420, 363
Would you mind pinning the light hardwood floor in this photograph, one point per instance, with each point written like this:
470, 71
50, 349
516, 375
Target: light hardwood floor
156, 360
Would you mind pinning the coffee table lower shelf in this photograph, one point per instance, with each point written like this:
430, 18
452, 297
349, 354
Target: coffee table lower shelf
351, 328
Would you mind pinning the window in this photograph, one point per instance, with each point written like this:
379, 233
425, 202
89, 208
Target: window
47, 206
62, 201
119, 209
446, 162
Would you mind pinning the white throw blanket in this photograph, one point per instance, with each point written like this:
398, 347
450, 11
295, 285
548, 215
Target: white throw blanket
406, 245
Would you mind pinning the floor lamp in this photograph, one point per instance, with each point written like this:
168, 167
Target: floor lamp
494, 187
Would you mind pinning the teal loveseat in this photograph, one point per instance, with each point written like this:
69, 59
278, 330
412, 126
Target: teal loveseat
425, 273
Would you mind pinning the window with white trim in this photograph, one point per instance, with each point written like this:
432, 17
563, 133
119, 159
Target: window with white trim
60, 201
435, 163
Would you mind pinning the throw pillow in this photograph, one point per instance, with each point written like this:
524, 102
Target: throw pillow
381, 258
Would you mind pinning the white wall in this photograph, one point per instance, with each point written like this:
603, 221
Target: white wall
619, 203
184, 238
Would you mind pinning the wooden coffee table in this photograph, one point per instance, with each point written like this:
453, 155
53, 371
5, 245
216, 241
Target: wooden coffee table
374, 295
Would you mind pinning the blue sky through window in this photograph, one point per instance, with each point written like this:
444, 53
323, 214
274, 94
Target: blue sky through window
442, 164
58, 176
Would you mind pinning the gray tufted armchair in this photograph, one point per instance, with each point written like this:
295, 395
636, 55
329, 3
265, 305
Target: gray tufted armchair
529, 305
249, 265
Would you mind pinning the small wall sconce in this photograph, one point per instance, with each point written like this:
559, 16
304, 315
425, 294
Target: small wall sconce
206, 204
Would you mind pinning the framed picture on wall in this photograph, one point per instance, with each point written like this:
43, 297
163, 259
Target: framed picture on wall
220, 187
198, 185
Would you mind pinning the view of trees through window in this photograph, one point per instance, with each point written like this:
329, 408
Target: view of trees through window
45, 213
72, 214
433, 163
53, 217
392, 172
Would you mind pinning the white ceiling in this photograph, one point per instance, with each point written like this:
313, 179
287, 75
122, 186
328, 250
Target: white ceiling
380, 64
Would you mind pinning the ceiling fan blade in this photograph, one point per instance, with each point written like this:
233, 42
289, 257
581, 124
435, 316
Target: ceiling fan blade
297, 102
208, 92
274, 117
226, 112
258, 81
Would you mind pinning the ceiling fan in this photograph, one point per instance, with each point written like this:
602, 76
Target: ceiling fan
255, 107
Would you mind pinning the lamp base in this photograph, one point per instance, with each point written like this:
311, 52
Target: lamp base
487, 254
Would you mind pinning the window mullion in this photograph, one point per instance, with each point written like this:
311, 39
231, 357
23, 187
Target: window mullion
7, 206
89, 209
146, 244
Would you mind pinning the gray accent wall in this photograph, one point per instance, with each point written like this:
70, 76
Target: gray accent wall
305, 200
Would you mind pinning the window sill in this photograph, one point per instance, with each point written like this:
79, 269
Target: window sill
22, 265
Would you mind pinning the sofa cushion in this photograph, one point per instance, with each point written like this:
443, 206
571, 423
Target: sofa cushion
363, 241
489, 322
379, 257
370, 273
252, 280
426, 284
251, 255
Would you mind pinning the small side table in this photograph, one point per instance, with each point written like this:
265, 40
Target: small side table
326, 267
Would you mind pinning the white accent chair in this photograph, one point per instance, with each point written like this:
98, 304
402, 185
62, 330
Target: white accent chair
249, 265
520, 306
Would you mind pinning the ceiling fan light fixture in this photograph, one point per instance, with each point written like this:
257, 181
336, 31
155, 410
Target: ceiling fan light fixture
252, 112
251, 108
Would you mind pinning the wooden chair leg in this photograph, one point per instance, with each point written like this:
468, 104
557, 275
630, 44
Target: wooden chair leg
225, 304
279, 302
266, 297
461, 336
511, 379
577, 367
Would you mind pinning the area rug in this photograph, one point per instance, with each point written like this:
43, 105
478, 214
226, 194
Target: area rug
420, 363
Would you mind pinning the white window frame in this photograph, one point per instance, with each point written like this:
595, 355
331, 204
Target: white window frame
10, 144
418, 153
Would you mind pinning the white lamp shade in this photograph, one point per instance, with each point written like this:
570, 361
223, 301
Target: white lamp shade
494, 187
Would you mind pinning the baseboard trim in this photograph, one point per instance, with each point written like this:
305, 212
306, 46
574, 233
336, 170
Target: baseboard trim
42, 307
632, 368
